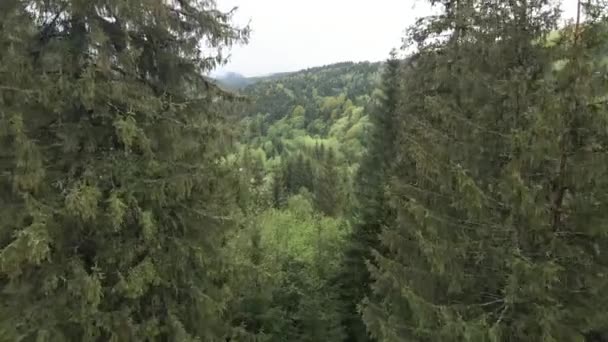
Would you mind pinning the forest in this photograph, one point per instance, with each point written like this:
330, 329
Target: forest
457, 191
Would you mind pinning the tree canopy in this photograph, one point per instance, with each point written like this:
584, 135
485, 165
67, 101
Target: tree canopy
113, 201
455, 192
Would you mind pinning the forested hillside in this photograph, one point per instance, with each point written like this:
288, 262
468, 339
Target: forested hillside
457, 191
302, 138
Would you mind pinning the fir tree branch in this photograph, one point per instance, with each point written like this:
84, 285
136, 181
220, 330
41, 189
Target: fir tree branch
10, 88
492, 302
502, 315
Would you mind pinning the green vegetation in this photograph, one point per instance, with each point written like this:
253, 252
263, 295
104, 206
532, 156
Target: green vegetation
298, 155
457, 194
112, 198
498, 182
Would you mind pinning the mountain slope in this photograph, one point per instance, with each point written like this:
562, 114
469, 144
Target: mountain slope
301, 140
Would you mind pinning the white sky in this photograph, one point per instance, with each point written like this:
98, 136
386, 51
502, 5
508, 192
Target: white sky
290, 35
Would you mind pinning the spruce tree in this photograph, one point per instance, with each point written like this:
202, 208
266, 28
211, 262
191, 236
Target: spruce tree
498, 186
327, 185
278, 190
372, 212
112, 194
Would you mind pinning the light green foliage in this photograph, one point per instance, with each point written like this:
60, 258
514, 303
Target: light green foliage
287, 254
309, 143
302, 234
318, 115
294, 235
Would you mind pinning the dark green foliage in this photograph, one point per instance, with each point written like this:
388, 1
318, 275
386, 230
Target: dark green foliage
371, 213
327, 184
498, 192
298, 174
463, 200
112, 199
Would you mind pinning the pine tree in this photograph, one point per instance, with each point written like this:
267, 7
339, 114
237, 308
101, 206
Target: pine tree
113, 199
327, 185
372, 214
298, 173
278, 190
497, 192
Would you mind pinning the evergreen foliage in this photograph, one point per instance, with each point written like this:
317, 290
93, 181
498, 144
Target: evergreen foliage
371, 212
459, 194
113, 202
497, 184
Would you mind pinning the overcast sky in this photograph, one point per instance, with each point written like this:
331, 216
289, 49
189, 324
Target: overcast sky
290, 35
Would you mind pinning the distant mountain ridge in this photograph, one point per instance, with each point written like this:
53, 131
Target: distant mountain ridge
233, 81
236, 81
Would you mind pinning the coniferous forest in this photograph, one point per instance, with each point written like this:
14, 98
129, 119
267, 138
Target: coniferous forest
457, 191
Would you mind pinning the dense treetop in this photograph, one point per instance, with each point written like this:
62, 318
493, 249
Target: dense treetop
112, 199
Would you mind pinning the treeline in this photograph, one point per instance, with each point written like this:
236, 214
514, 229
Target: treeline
457, 193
